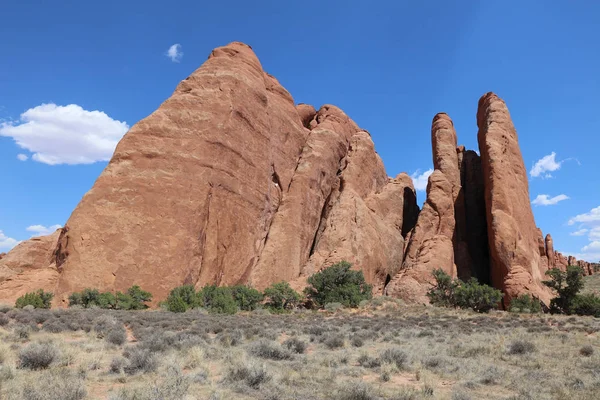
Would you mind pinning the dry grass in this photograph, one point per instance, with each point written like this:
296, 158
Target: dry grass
591, 284
385, 350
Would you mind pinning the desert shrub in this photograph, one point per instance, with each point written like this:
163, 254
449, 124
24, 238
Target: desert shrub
394, 356
442, 292
586, 350
356, 391
295, 345
269, 350
218, 299
4, 320
566, 285
364, 360
280, 296
37, 356
333, 342
356, 341
140, 360
39, 299
246, 298
117, 336
338, 284
520, 347
54, 325
253, 375
525, 304
134, 299
55, 385
448, 292
478, 297
182, 298
174, 386
4, 308
586, 304
117, 365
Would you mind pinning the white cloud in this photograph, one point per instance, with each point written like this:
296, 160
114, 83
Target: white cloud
592, 247
7, 243
589, 223
592, 217
22, 157
580, 232
66, 134
175, 53
41, 230
544, 165
420, 180
545, 200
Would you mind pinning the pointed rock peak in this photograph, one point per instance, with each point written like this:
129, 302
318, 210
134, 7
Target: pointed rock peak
333, 118
489, 105
236, 50
441, 121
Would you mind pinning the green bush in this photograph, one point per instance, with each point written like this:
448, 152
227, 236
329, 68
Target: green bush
586, 304
182, 298
247, 298
478, 297
280, 296
39, 299
525, 304
442, 292
448, 292
134, 299
566, 285
338, 284
221, 301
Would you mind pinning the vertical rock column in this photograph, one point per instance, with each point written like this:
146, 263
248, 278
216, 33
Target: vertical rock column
512, 233
446, 160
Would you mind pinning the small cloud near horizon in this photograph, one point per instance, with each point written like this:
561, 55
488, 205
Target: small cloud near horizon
588, 224
7, 243
22, 157
175, 53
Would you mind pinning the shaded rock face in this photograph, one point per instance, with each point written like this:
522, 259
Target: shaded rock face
230, 182
514, 240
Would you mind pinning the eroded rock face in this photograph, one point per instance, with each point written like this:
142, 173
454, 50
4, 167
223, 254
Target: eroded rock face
430, 245
550, 253
446, 159
512, 233
29, 266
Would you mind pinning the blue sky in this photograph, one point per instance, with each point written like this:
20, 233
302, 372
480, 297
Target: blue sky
75, 75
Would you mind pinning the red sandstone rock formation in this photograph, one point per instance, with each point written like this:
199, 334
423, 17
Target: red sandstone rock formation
229, 182
512, 234
430, 245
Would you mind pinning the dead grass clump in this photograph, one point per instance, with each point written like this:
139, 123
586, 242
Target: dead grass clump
586, 351
295, 345
394, 356
140, 360
53, 385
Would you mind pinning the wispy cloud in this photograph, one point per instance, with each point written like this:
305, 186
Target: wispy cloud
420, 180
175, 53
580, 232
22, 157
545, 165
65, 134
545, 200
41, 230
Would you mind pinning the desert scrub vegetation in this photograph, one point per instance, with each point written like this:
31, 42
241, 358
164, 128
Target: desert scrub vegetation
448, 292
38, 299
384, 349
338, 284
